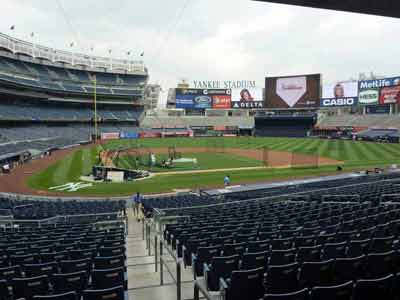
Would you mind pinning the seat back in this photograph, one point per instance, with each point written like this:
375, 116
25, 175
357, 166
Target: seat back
204, 255
29, 287
112, 262
249, 283
8, 273
282, 257
372, 289
283, 279
67, 282
221, 267
41, 269
380, 264
298, 295
65, 296
112, 251
308, 254
116, 293
282, 244
316, 273
108, 278
254, 260
72, 266
258, 246
346, 269
233, 249
334, 250
338, 292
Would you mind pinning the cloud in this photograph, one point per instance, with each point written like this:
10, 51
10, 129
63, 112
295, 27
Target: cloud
214, 40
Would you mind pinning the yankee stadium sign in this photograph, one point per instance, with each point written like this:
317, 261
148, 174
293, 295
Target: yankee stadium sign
226, 84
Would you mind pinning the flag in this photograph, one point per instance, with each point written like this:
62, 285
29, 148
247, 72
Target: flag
12, 27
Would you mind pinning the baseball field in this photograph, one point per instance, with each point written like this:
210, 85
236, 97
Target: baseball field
241, 158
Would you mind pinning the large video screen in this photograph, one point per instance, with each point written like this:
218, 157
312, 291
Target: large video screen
340, 94
293, 91
202, 98
247, 98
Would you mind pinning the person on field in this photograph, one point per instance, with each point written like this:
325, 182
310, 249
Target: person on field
227, 180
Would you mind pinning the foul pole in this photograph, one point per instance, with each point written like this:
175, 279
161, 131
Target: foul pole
95, 108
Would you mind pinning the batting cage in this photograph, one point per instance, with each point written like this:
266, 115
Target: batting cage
305, 160
276, 159
215, 145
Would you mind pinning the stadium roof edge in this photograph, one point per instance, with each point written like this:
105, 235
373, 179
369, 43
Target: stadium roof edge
70, 59
386, 8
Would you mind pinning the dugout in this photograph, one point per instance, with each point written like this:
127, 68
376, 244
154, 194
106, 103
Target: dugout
284, 125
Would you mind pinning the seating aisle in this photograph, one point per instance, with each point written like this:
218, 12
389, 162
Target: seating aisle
144, 282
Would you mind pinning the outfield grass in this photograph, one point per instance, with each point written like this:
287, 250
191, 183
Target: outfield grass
355, 155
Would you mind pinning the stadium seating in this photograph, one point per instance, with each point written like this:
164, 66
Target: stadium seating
321, 248
64, 259
367, 121
69, 80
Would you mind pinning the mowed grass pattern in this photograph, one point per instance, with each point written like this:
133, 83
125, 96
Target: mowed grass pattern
205, 161
354, 154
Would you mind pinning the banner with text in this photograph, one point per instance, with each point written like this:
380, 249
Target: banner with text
378, 91
340, 94
201, 98
390, 95
247, 98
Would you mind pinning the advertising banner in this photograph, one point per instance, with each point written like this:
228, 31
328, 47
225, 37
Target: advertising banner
247, 98
185, 101
221, 101
129, 135
340, 94
378, 83
377, 109
368, 96
110, 135
293, 91
390, 95
150, 134
199, 98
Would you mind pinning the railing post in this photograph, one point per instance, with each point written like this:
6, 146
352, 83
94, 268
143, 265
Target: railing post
143, 233
161, 263
156, 253
149, 240
178, 280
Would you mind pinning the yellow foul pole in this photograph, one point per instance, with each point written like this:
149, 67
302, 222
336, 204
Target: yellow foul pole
95, 107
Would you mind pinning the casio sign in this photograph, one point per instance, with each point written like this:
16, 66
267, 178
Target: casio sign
338, 102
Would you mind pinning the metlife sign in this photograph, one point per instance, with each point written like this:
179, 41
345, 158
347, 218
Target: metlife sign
378, 83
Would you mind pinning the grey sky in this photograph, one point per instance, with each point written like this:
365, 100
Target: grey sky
215, 39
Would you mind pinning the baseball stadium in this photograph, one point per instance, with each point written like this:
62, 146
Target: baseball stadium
116, 186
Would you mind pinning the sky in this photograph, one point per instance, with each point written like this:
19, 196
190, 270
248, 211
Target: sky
213, 39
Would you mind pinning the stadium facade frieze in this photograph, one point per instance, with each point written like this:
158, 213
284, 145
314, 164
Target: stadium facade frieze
225, 84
